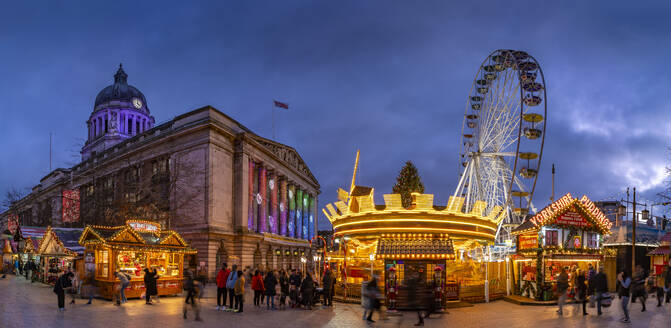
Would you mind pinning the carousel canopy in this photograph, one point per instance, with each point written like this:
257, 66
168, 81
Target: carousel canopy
415, 246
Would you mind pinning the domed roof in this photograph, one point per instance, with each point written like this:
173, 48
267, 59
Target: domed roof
120, 90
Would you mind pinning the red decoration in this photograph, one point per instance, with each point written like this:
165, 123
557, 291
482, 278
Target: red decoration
70, 205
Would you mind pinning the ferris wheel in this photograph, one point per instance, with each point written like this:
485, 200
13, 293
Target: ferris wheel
502, 137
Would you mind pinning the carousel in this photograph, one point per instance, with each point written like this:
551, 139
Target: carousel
130, 249
442, 246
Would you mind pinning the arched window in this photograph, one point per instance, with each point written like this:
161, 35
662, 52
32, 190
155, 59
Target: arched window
222, 254
257, 258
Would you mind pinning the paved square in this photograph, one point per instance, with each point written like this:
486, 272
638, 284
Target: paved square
34, 305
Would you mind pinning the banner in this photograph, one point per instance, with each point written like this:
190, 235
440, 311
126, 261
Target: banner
528, 241
572, 218
12, 222
70, 205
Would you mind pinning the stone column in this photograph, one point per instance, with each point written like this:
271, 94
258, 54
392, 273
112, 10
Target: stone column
299, 213
134, 125
283, 207
311, 217
263, 207
304, 221
291, 223
273, 186
250, 215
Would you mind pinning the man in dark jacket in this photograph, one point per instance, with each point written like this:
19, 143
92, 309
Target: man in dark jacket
150, 277
600, 287
328, 284
667, 281
62, 283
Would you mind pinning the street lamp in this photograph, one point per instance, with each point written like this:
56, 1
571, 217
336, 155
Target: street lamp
372, 258
303, 260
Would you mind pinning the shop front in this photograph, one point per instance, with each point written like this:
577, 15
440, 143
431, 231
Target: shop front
130, 249
59, 251
566, 234
660, 256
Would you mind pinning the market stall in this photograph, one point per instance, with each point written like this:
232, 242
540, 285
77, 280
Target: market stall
659, 257
566, 234
58, 252
130, 249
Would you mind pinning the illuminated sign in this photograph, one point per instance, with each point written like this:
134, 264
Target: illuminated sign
572, 218
528, 241
596, 212
552, 209
144, 226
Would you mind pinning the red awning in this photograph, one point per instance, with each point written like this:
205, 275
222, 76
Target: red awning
661, 250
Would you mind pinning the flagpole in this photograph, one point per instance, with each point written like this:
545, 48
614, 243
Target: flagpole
272, 108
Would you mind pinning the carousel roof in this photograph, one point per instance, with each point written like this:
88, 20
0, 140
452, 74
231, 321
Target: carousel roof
415, 246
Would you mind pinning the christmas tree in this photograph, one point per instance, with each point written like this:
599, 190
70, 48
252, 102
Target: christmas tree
407, 182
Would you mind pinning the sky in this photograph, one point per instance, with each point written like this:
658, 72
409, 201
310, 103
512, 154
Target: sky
388, 78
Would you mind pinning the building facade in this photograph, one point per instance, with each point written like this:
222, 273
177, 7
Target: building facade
235, 196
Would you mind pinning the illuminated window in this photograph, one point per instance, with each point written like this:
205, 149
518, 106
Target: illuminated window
102, 258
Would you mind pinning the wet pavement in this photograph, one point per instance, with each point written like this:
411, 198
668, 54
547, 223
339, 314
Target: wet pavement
34, 305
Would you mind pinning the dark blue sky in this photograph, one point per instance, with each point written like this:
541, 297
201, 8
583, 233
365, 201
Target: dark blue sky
387, 77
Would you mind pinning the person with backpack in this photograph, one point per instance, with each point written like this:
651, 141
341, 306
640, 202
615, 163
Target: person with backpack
62, 284
230, 285
222, 276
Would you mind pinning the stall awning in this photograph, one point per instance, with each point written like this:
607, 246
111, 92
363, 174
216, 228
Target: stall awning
661, 250
415, 248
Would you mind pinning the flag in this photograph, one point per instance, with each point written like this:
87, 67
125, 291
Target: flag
280, 104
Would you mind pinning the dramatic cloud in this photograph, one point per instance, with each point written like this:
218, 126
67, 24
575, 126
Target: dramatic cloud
387, 77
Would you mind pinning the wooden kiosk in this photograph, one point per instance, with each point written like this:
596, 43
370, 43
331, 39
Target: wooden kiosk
566, 233
130, 249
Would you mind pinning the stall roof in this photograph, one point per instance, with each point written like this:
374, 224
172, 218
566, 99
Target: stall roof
131, 236
70, 238
661, 250
430, 246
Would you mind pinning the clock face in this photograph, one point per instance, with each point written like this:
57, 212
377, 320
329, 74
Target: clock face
137, 103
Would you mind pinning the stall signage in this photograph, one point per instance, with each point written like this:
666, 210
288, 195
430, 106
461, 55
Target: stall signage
528, 241
144, 226
452, 291
572, 218
171, 285
552, 209
596, 212
577, 242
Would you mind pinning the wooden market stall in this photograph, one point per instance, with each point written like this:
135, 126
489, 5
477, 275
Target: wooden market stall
59, 251
131, 248
566, 233
659, 257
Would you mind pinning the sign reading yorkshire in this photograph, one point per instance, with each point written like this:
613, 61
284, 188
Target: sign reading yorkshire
563, 211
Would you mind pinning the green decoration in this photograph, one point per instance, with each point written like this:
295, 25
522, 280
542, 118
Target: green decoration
407, 182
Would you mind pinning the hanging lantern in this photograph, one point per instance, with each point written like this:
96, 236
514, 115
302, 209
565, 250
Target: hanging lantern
645, 215
621, 211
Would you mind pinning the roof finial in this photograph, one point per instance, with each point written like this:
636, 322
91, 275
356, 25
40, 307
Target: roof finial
120, 76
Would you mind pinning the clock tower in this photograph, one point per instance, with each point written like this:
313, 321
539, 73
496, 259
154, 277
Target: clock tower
120, 112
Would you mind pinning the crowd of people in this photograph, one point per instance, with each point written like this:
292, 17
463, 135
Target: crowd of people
592, 286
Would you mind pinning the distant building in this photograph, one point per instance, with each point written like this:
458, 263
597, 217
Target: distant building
235, 196
612, 210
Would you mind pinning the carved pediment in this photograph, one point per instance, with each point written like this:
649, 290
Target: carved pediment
287, 155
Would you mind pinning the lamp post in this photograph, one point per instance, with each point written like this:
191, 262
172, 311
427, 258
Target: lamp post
315, 260
303, 260
372, 258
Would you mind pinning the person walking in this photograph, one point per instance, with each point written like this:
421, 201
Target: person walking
667, 281
147, 282
124, 280
562, 287
150, 278
600, 287
257, 287
638, 287
294, 285
62, 284
89, 286
581, 290
327, 284
191, 288
269, 283
239, 290
222, 276
655, 285
307, 291
625, 283
373, 296
230, 285
591, 273
76, 283
284, 289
